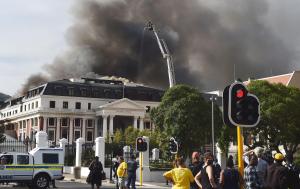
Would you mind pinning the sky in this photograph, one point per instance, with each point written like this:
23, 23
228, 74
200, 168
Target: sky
32, 34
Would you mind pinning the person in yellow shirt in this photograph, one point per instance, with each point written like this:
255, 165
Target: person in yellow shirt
181, 176
122, 173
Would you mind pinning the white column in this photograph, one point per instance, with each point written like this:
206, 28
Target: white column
141, 123
83, 129
41, 139
79, 143
111, 125
221, 157
155, 154
57, 129
104, 133
45, 124
100, 148
135, 122
96, 122
62, 144
71, 133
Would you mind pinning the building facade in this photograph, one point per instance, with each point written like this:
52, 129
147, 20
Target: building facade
75, 108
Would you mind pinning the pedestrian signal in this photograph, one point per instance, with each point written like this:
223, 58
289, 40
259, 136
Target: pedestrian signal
141, 144
240, 108
173, 146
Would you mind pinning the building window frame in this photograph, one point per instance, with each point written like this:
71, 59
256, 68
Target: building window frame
91, 132
65, 104
52, 104
52, 122
76, 131
77, 105
49, 135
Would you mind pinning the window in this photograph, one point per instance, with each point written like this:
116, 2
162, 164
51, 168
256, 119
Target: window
22, 159
51, 135
64, 122
89, 135
83, 92
51, 121
28, 106
36, 104
148, 109
77, 134
78, 105
65, 105
32, 105
50, 158
64, 132
89, 106
77, 122
89, 123
7, 159
24, 107
52, 104
71, 91
21, 108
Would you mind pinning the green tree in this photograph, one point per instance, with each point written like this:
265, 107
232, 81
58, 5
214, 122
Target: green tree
280, 115
183, 113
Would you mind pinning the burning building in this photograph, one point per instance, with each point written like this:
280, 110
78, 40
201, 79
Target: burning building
74, 108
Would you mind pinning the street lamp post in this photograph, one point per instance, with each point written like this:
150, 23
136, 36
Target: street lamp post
212, 99
111, 163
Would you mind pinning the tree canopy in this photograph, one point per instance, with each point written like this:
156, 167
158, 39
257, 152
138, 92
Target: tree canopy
184, 114
280, 115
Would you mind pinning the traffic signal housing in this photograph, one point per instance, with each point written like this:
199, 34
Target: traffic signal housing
141, 144
173, 146
241, 108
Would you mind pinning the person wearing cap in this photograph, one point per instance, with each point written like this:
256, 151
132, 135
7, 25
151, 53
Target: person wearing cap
195, 167
277, 174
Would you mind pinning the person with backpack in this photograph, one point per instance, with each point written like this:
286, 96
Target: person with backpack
205, 178
230, 178
131, 170
277, 174
195, 167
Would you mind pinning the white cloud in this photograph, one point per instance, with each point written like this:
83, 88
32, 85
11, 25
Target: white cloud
32, 34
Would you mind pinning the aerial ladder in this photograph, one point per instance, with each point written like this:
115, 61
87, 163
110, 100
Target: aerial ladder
165, 53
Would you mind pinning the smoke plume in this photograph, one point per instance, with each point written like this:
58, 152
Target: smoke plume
206, 41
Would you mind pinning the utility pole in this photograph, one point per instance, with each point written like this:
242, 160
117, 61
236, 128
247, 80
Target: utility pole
212, 99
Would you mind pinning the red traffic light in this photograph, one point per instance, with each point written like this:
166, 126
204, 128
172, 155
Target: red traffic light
240, 93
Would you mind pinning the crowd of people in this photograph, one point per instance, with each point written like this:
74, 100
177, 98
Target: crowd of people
262, 171
124, 172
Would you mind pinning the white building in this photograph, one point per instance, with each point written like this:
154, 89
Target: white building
85, 108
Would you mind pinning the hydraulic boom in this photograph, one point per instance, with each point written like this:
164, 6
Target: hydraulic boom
165, 53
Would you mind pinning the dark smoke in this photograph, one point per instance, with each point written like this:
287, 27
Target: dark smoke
33, 81
206, 42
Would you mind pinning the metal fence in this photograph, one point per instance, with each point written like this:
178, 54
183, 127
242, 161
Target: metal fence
17, 146
70, 152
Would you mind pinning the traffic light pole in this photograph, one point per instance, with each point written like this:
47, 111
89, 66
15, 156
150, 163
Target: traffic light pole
141, 168
240, 150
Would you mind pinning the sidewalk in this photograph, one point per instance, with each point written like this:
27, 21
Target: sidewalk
69, 177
